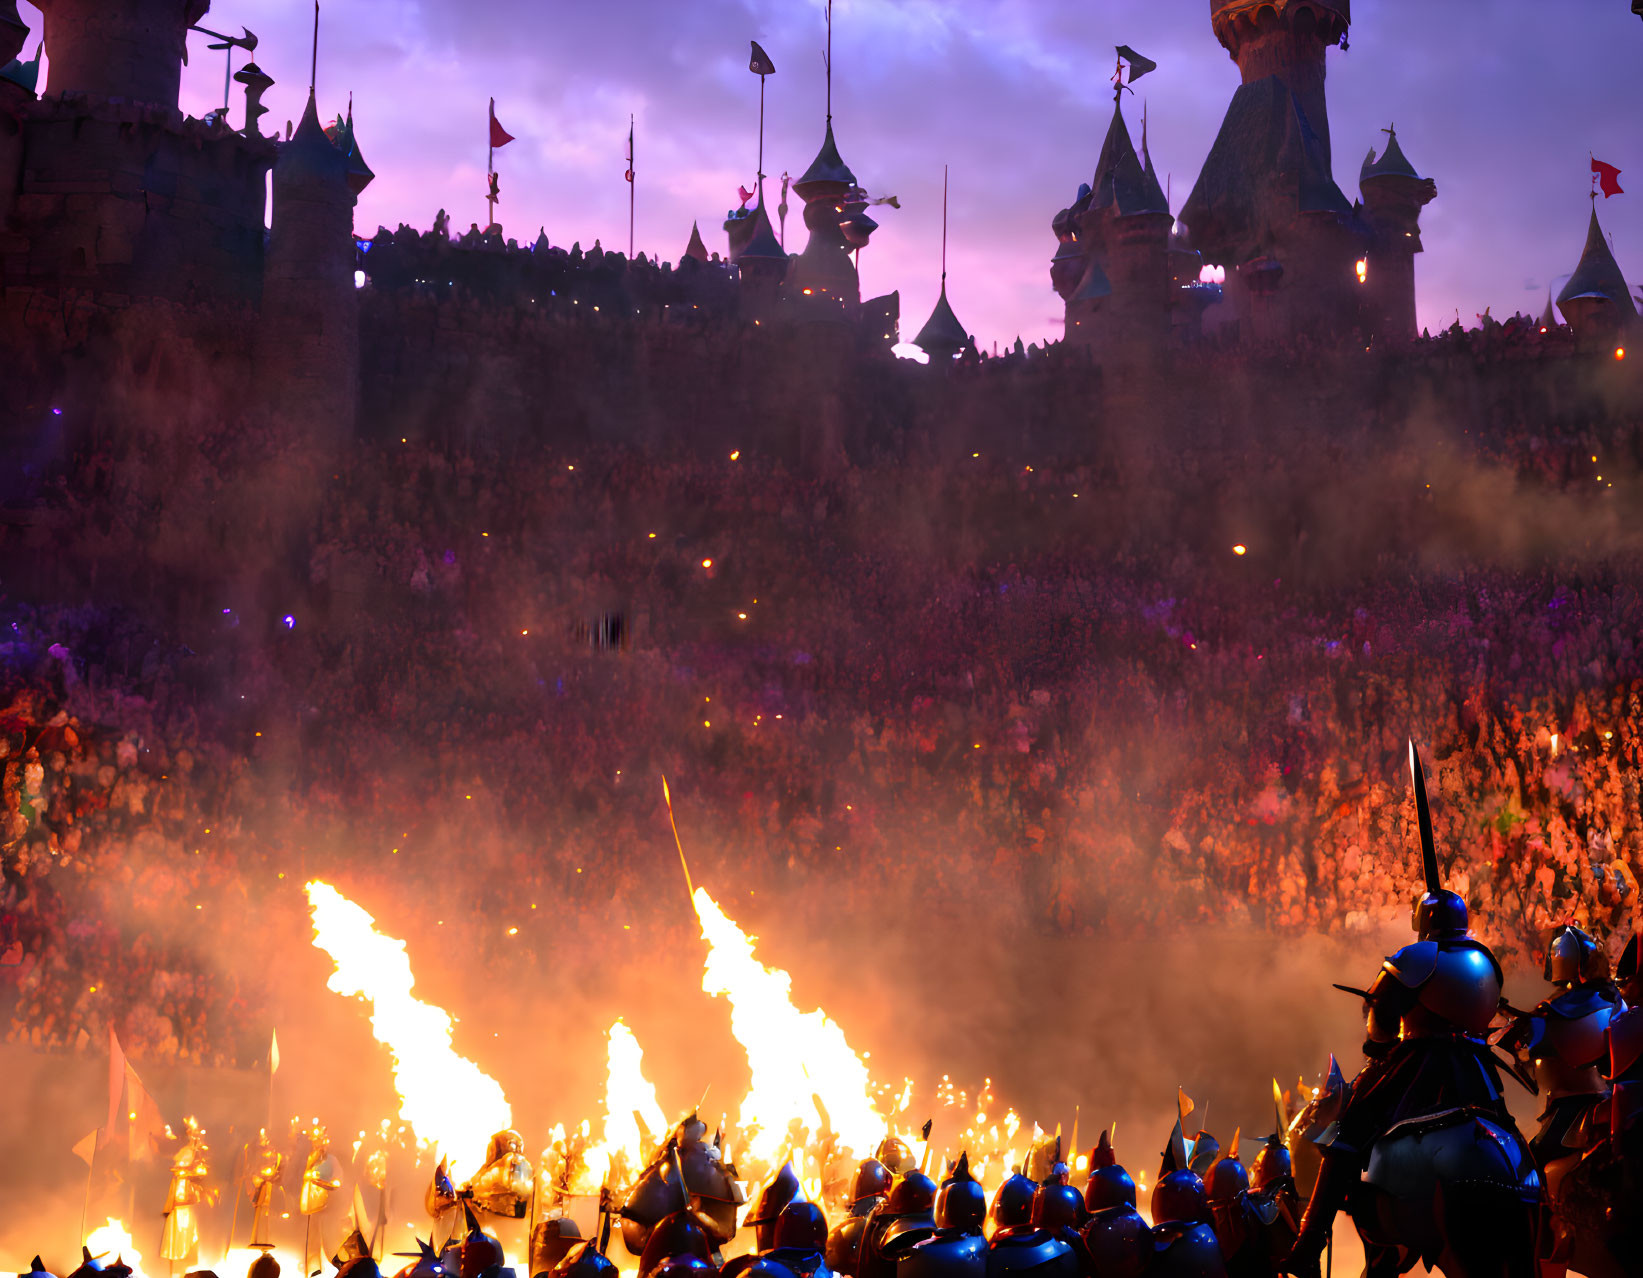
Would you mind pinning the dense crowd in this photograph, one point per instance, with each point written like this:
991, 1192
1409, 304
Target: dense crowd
1061, 686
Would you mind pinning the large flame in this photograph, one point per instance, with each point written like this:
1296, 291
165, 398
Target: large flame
446, 1098
112, 1242
627, 1093
794, 1057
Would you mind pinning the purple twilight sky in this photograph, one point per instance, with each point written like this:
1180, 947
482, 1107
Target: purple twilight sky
1498, 100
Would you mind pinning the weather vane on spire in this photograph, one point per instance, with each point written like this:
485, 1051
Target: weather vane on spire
1139, 66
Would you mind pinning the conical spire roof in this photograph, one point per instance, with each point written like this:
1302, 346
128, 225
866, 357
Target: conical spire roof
764, 246
541, 245
1153, 189
827, 168
1598, 274
360, 175
942, 334
696, 248
1392, 162
309, 156
1120, 178
1548, 317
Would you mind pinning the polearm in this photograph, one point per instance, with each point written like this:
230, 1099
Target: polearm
490, 168
667, 798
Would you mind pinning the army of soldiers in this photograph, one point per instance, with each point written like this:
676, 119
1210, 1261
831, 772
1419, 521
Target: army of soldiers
1420, 1149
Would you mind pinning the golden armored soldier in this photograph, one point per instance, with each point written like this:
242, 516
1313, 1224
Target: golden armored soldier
181, 1236
319, 1175
265, 1167
502, 1186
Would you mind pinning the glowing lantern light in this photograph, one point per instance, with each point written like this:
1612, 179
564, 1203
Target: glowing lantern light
1240, 550
446, 1099
1363, 270
1620, 352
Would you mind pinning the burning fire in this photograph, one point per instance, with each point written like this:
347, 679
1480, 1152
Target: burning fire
112, 1240
795, 1057
630, 1099
447, 1099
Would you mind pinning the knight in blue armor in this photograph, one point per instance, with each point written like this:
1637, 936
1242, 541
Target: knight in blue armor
1425, 1152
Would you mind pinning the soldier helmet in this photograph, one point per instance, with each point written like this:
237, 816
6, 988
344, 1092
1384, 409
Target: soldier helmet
265, 1266
480, 1251
1118, 1242
38, 1266
1057, 1205
1226, 1180
1186, 1250
1573, 957
784, 1188
1109, 1187
680, 1234
90, 1265
585, 1261
843, 1251
1179, 1196
894, 1154
1272, 1164
1103, 1154
1440, 916
425, 1263
1013, 1202
872, 1179
961, 1202
802, 1226
913, 1193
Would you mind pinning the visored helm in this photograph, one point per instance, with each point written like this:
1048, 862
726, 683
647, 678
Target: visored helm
1440, 916
1573, 957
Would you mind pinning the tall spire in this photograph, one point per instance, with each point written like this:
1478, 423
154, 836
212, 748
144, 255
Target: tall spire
942, 337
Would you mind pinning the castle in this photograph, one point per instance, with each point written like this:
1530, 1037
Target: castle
113, 204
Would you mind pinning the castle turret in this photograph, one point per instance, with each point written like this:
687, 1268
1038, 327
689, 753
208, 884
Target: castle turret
1120, 224
696, 248
128, 49
1596, 301
308, 332
824, 271
1286, 39
1393, 197
763, 265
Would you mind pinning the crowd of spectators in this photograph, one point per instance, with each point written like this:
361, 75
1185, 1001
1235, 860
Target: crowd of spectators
1078, 687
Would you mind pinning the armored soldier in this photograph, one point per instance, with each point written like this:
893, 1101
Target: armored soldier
181, 1236
1012, 1202
957, 1248
588, 1259
1248, 1227
1563, 1041
1183, 1243
1116, 1237
867, 1189
687, 1172
480, 1251
801, 1240
680, 1234
783, 1188
319, 1174
1430, 1071
904, 1218
503, 1185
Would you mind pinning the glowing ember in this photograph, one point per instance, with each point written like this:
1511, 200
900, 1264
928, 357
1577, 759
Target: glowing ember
794, 1057
1240, 550
112, 1242
447, 1099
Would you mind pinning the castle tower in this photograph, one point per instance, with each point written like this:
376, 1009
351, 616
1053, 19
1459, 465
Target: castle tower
130, 49
1286, 39
763, 264
824, 271
308, 330
1113, 265
1596, 301
1393, 197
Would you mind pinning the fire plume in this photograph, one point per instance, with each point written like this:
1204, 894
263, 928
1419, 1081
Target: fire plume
447, 1099
627, 1093
111, 1240
795, 1057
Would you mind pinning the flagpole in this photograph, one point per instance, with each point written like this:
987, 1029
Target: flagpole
85, 1203
944, 228
313, 65
633, 189
761, 137
490, 168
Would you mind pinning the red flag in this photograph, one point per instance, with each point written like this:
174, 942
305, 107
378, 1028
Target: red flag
499, 135
1608, 178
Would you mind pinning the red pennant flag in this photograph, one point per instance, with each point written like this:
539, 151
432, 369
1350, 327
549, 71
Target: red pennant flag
499, 135
1608, 178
